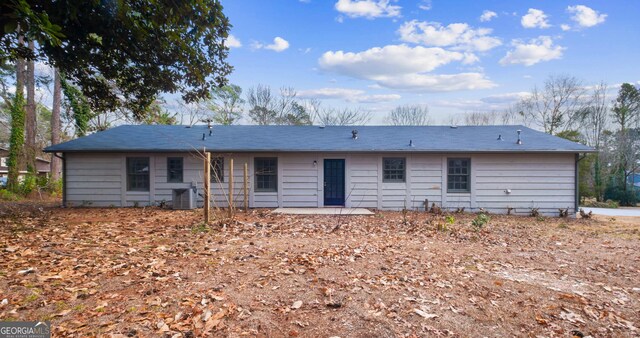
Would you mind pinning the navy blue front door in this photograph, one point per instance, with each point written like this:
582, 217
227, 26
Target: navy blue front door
333, 182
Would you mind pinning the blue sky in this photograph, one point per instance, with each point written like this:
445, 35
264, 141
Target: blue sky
378, 54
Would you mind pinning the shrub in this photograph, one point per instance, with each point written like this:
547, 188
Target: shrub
450, 219
625, 198
6, 195
29, 184
592, 203
480, 220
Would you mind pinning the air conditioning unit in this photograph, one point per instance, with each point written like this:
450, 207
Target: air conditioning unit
183, 199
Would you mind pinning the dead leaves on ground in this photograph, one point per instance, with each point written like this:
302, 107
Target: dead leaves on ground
145, 272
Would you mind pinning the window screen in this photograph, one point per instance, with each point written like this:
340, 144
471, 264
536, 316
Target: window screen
393, 169
459, 175
175, 169
266, 172
138, 173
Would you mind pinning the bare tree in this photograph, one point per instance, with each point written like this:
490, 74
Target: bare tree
556, 106
31, 116
513, 115
409, 115
266, 108
595, 117
481, 118
192, 113
55, 124
261, 105
626, 112
338, 117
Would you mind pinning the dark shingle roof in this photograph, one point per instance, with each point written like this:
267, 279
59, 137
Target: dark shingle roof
147, 138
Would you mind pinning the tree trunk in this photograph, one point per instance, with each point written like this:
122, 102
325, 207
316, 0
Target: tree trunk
16, 142
55, 124
597, 179
31, 118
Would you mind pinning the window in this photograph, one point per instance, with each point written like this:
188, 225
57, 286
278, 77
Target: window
137, 173
393, 169
174, 169
459, 175
266, 169
3, 162
217, 169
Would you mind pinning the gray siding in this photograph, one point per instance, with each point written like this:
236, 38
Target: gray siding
93, 180
544, 181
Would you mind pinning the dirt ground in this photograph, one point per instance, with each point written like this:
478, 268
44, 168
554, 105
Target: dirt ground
153, 273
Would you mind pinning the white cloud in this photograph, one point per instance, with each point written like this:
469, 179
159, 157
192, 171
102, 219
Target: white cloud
536, 50
535, 18
369, 9
330, 93
565, 27
347, 94
488, 16
585, 16
404, 67
458, 36
505, 97
377, 98
493, 102
279, 44
399, 59
233, 42
437, 82
425, 5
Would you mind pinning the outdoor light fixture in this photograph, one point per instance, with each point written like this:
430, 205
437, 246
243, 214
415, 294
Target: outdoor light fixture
315, 163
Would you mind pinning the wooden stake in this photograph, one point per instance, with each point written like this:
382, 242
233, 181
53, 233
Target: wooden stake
231, 194
246, 187
207, 187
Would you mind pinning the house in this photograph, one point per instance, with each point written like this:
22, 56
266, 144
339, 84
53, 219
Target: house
42, 165
382, 167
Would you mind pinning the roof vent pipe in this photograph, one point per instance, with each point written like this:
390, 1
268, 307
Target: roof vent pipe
203, 136
519, 141
354, 134
499, 137
210, 132
410, 143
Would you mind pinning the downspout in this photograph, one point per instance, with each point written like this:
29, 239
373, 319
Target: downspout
577, 180
64, 178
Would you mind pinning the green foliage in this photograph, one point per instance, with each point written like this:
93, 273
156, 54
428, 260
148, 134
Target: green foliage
449, 219
200, 228
16, 141
226, 104
29, 17
571, 135
29, 184
480, 221
627, 105
624, 197
156, 114
79, 106
297, 116
6, 195
122, 54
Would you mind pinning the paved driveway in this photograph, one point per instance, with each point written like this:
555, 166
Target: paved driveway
632, 212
